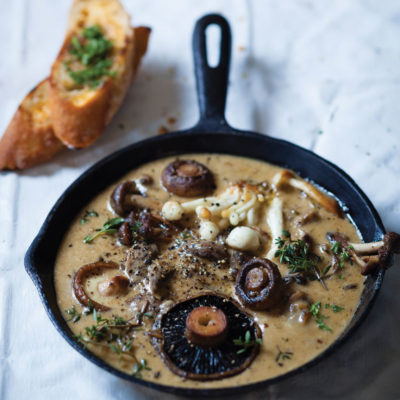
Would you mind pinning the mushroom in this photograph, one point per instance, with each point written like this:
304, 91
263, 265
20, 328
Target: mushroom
286, 177
78, 283
259, 284
131, 195
113, 286
119, 198
384, 248
138, 259
299, 308
212, 251
187, 178
208, 230
197, 337
243, 238
206, 326
275, 222
153, 227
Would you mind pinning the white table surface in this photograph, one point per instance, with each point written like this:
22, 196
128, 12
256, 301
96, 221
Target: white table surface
299, 67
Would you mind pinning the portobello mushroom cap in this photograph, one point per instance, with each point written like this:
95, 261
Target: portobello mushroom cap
79, 278
187, 178
259, 284
197, 338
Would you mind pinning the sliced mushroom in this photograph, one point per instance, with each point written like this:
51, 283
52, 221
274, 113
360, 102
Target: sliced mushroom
275, 222
384, 249
206, 326
259, 284
299, 308
212, 251
286, 177
138, 259
78, 284
154, 228
187, 178
308, 217
197, 336
114, 286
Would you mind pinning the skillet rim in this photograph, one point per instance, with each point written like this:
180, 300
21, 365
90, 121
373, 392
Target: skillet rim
32, 270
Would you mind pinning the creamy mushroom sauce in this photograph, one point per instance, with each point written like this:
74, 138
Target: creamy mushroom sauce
305, 342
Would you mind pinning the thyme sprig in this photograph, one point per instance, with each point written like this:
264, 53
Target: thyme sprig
315, 310
109, 228
139, 367
246, 343
74, 314
297, 255
341, 252
334, 307
114, 333
88, 214
283, 355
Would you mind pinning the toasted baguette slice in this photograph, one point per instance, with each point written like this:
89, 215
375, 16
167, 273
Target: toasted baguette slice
140, 39
80, 113
29, 138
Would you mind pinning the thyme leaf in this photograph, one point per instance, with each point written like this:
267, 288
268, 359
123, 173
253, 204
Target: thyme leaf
109, 228
315, 310
283, 355
334, 307
246, 343
139, 367
88, 214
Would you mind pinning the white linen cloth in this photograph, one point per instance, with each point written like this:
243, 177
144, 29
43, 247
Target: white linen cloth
324, 75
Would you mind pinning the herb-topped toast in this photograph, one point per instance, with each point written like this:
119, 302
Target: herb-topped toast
87, 84
93, 70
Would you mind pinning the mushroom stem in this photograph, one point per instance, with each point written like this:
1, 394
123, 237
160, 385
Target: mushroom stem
275, 222
367, 248
328, 202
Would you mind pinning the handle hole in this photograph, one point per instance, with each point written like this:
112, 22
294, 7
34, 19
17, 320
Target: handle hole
213, 45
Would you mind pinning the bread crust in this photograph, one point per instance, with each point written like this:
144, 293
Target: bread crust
29, 138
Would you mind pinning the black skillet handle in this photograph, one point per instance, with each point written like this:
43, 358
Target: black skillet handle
211, 82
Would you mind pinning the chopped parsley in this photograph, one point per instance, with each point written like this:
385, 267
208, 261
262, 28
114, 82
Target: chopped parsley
246, 343
109, 228
92, 50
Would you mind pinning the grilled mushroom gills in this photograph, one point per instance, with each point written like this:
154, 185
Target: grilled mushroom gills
217, 360
152, 249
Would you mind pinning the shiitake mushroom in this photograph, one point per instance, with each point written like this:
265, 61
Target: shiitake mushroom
197, 338
187, 178
119, 197
259, 284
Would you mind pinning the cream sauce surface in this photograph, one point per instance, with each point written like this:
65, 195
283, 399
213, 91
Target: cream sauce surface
280, 333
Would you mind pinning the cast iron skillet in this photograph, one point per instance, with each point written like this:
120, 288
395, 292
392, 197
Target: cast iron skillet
211, 134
